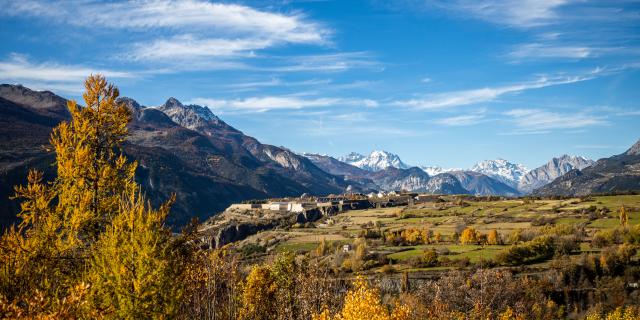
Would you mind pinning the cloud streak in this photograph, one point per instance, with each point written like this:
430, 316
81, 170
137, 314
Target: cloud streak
452, 99
222, 29
538, 120
462, 120
52, 76
514, 13
268, 103
170, 15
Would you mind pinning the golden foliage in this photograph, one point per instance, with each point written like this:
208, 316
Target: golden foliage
89, 224
362, 302
620, 313
493, 238
470, 235
624, 217
259, 297
131, 265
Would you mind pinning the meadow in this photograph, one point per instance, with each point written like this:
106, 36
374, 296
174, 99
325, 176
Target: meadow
448, 219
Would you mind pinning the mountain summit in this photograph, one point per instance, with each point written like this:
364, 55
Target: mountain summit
189, 116
634, 150
502, 170
619, 173
553, 169
375, 161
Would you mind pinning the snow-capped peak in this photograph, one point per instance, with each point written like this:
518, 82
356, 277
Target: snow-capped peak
377, 160
435, 170
501, 169
351, 157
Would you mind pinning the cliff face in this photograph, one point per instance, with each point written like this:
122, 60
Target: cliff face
235, 224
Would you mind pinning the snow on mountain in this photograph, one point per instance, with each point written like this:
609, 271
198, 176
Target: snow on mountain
351, 157
375, 161
553, 169
435, 170
502, 170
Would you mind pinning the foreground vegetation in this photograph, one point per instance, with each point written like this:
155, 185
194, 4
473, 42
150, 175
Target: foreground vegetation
90, 246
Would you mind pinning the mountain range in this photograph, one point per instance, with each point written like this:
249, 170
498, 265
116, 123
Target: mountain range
181, 149
208, 164
488, 177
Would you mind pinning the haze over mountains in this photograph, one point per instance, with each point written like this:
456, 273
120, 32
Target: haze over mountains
208, 164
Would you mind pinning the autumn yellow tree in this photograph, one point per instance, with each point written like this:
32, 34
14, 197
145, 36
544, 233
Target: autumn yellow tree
259, 297
437, 237
83, 211
61, 220
493, 238
363, 303
132, 269
469, 235
624, 217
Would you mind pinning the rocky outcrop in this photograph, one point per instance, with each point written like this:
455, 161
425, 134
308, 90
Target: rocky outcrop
553, 169
619, 173
234, 225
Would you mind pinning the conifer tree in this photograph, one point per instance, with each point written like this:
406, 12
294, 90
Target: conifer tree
90, 224
131, 267
92, 171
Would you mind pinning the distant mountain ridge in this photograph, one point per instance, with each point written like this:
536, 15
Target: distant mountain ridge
618, 173
552, 170
488, 177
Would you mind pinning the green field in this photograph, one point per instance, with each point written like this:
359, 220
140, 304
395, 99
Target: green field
447, 218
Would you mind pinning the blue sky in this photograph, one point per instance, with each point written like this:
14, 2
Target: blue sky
444, 83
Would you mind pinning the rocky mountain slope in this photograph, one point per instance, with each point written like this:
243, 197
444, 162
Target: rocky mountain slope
619, 173
553, 169
482, 185
180, 149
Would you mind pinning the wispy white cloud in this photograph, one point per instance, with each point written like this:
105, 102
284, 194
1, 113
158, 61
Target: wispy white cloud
337, 128
541, 51
276, 82
222, 18
223, 30
51, 76
267, 103
515, 13
539, 120
462, 120
189, 47
467, 97
332, 62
